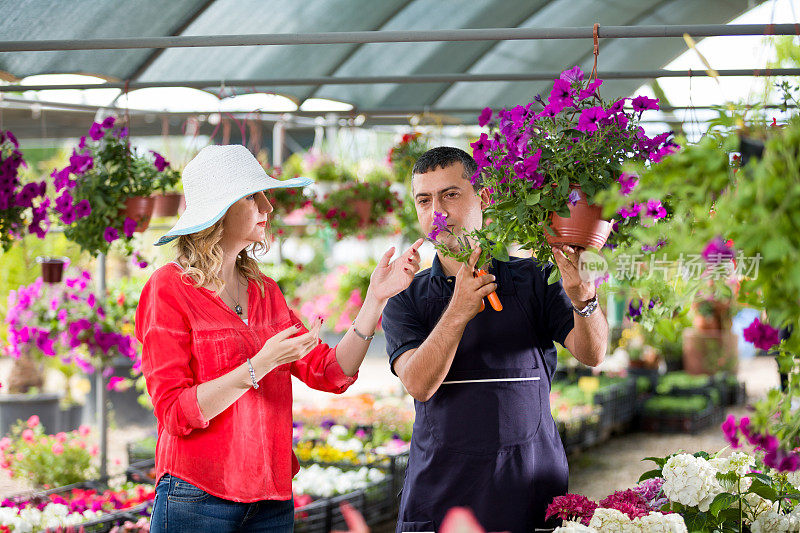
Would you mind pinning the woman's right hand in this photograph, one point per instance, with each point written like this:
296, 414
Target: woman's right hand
282, 348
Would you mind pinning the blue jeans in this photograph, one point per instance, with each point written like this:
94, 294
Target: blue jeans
181, 507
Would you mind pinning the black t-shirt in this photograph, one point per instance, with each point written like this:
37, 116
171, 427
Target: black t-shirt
406, 322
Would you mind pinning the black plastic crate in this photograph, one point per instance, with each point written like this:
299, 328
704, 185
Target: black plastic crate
380, 503
142, 472
689, 422
138, 453
335, 518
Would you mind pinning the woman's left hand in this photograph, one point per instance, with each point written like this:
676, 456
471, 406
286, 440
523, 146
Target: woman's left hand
390, 278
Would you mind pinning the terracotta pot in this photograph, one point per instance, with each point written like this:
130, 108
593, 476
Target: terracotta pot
717, 315
363, 209
140, 209
167, 205
708, 351
584, 227
52, 268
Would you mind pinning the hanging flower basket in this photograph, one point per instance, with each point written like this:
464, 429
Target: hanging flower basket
358, 209
52, 268
584, 227
167, 204
140, 209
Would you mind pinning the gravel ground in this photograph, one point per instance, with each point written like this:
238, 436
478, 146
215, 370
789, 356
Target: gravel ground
612, 465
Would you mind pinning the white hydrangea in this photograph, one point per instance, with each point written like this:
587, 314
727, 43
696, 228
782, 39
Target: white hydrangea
613, 520
773, 522
656, 522
794, 478
738, 463
574, 527
690, 481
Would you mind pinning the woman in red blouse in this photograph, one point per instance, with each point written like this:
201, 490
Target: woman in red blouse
219, 345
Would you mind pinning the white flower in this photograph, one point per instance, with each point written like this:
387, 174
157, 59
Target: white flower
772, 522
794, 478
574, 527
738, 463
690, 481
338, 430
657, 522
613, 520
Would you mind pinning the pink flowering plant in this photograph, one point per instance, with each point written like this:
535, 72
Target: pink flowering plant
535, 155
103, 172
23, 206
67, 323
339, 210
48, 460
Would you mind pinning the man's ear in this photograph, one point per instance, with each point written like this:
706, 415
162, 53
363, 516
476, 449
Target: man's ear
485, 197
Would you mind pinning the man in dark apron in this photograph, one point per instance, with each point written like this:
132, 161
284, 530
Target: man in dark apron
483, 436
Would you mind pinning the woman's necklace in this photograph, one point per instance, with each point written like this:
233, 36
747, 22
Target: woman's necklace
237, 307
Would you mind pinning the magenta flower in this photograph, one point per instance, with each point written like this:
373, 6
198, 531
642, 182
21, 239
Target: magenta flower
83, 209
573, 75
80, 163
731, 431
91, 300
82, 143
617, 106
782, 461
643, 103
108, 122
96, 131
485, 117
561, 93
128, 227
762, 336
439, 225
60, 178
550, 110
160, 163
590, 89
628, 182
110, 234
526, 168
572, 507
627, 501
655, 209
114, 383
589, 119
479, 149
717, 251
123, 132
64, 202
630, 212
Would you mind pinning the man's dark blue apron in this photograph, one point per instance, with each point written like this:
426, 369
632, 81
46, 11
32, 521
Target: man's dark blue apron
489, 446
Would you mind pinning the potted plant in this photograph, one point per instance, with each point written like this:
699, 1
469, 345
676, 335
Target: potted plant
169, 197
105, 191
545, 162
22, 206
52, 268
357, 209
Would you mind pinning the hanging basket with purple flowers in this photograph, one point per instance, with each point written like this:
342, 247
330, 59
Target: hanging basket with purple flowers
545, 161
103, 176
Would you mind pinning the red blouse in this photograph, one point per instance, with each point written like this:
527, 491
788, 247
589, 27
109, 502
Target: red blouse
190, 336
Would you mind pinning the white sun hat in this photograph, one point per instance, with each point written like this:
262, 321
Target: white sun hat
216, 178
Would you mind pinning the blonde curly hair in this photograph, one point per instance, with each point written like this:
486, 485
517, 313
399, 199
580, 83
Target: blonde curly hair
200, 255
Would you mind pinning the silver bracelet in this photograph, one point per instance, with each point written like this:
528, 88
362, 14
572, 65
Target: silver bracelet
361, 335
252, 373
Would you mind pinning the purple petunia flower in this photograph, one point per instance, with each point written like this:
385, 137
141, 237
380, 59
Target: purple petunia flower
439, 225
630, 212
123, 132
762, 336
561, 93
68, 216
110, 234
83, 209
160, 163
526, 168
589, 119
64, 202
655, 209
575, 74
628, 182
485, 117
574, 196
617, 106
717, 251
80, 163
108, 122
635, 311
590, 89
643, 103
731, 431
60, 178
129, 226
96, 131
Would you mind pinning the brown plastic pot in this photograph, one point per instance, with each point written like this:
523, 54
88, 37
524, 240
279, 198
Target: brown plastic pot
167, 205
52, 268
584, 228
140, 209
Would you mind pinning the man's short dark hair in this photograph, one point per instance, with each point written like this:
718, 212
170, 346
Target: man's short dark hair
443, 157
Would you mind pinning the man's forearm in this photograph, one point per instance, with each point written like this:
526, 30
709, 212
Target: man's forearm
590, 337
429, 364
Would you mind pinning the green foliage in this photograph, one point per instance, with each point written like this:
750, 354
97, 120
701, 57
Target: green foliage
48, 460
340, 209
676, 404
